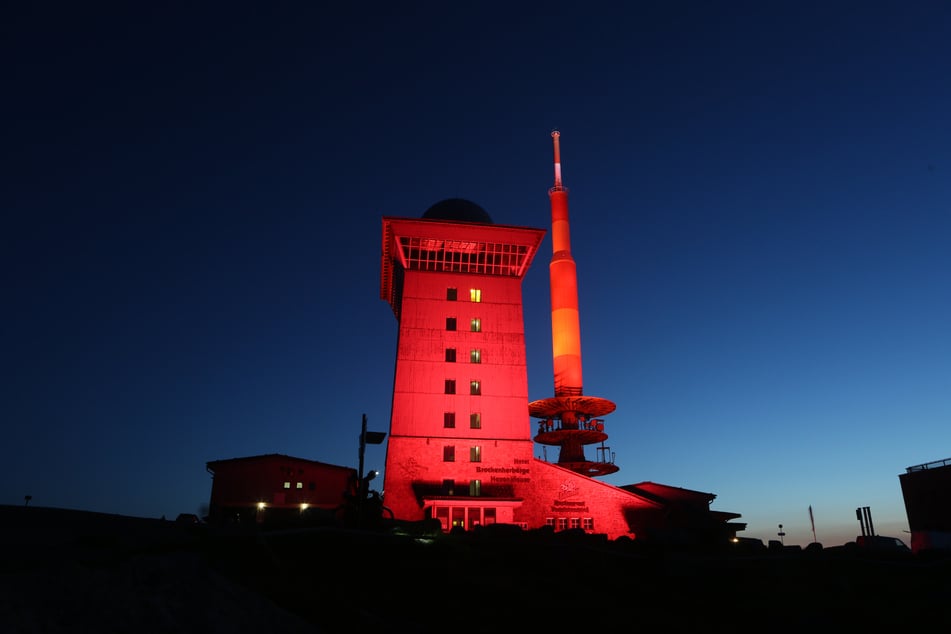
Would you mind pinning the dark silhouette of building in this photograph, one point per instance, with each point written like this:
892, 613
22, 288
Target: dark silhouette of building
926, 489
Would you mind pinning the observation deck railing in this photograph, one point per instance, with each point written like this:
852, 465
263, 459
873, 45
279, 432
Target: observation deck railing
930, 465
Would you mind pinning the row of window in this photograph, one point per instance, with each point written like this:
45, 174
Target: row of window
464, 256
449, 487
300, 485
475, 324
449, 420
449, 454
476, 515
475, 387
475, 356
475, 294
564, 523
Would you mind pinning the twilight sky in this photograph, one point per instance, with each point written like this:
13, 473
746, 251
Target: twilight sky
760, 198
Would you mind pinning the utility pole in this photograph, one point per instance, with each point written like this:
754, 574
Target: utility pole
813, 522
372, 438
367, 438
363, 449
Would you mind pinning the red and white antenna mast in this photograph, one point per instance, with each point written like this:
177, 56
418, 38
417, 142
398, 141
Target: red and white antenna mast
565, 322
554, 135
570, 420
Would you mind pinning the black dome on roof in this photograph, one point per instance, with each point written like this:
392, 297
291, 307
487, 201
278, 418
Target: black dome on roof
458, 209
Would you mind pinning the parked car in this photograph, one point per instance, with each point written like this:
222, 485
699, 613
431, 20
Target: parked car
187, 518
882, 543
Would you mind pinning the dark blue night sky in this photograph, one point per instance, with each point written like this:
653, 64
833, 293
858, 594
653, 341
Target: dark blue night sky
760, 201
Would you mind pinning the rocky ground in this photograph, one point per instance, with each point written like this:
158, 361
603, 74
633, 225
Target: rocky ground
69, 571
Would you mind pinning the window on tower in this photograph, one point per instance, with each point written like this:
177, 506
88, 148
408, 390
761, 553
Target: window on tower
587, 523
475, 388
475, 295
450, 355
449, 420
450, 323
475, 356
449, 453
450, 386
475, 325
562, 523
451, 294
575, 522
475, 421
475, 454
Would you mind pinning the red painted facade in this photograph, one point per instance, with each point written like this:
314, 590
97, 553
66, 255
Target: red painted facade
275, 487
458, 445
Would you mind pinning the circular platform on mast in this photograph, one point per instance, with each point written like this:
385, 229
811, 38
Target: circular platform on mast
555, 406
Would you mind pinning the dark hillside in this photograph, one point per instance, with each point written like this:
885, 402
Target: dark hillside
70, 571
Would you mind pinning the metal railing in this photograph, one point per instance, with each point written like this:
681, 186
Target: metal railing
930, 465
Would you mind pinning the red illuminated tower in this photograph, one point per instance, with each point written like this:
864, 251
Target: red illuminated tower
459, 447
569, 420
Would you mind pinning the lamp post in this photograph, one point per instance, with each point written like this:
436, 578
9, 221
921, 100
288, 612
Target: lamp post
366, 438
781, 534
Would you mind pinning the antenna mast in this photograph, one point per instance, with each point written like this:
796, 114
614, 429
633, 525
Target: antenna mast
570, 420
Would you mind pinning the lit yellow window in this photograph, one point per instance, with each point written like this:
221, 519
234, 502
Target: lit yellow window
475, 356
475, 325
475, 294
